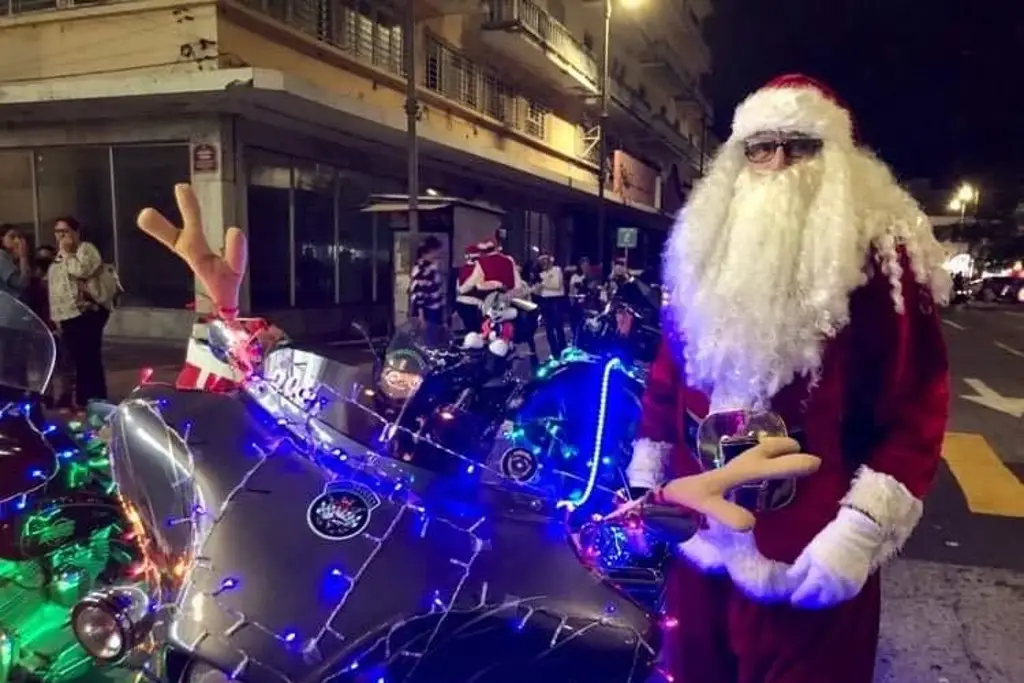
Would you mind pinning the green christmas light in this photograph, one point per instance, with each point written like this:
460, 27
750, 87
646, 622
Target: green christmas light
55, 562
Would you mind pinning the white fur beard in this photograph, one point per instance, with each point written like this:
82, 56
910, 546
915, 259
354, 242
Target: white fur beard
771, 284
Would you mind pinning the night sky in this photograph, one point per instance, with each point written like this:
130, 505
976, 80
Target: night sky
936, 86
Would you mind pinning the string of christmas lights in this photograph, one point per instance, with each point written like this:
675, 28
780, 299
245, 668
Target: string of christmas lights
302, 430
67, 534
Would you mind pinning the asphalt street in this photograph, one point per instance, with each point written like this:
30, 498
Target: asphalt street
954, 602
954, 607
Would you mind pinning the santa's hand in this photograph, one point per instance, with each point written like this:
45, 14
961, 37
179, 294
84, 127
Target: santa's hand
836, 564
220, 275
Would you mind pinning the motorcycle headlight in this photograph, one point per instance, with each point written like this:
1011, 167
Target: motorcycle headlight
399, 385
112, 622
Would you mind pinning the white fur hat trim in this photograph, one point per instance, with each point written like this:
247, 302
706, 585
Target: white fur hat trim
793, 110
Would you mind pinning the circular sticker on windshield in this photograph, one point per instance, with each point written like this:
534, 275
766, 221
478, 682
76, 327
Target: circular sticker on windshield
519, 464
342, 512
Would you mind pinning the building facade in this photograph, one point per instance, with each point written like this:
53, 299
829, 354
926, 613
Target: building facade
286, 115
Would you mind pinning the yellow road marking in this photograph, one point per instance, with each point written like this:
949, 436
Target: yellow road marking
989, 486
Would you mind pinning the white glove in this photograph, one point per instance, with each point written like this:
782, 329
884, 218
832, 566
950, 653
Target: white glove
837, 562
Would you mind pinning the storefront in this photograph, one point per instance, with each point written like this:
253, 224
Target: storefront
286, 163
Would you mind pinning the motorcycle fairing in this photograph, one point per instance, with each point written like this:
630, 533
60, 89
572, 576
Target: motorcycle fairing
441, 569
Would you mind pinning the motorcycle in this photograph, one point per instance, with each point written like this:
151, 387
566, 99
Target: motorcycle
63, 530
283, 539
628, 324
441, 396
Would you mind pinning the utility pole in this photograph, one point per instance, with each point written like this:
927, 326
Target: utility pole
602, 164
412, 112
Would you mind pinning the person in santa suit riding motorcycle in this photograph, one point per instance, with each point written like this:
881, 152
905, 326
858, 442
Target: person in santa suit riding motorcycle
804, 281
469, 299
494, 270
497, 271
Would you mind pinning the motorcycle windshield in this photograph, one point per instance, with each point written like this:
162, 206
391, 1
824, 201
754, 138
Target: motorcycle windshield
414, 350
27, 349
639, 296
350, 408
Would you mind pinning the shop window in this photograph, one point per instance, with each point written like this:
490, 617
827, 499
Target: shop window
144, 175
268, 210
355, 236
75, 181
16, 200
315, 247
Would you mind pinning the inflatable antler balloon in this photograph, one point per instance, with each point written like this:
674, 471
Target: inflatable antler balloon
243, 342
707, 493
219, 274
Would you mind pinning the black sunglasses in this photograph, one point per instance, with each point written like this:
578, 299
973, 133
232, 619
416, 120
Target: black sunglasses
796, 148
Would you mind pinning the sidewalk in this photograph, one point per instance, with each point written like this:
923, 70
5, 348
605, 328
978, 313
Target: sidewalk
124, 362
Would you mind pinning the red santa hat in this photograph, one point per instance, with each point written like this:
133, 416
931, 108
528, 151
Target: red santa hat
794, 103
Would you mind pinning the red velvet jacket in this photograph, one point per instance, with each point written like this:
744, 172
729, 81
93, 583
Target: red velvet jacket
876, 419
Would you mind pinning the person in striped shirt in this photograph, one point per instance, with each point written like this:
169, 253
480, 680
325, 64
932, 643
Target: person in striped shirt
426, 287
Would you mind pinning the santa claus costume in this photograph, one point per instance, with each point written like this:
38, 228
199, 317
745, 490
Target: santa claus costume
469, 299
808, 290
493, 270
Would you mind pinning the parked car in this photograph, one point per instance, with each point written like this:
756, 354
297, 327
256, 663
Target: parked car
1000, 289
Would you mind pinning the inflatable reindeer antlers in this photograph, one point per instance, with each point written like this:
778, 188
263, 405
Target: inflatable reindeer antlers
219, 274
772, 458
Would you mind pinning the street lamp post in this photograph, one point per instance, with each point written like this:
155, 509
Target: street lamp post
966, 195
602, 144
412, 112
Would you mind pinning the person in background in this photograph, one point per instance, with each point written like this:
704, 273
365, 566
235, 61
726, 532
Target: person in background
77, 310
36, 295
426, 293
581, 288
497, 271
37, 298
15, 262
619, 276
550, 296
469, 303
494, 270
15, 276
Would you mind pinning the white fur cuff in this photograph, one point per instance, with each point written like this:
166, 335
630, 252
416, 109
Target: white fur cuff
792, 110
718, 549
888, 502
648, 465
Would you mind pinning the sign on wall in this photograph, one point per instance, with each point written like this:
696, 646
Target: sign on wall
626, 238
205, 158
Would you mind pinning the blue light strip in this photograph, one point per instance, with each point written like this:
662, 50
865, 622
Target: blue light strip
595, 458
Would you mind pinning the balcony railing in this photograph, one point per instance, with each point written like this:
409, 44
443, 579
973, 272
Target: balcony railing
376, 40
451, 74
546, 30
9, 8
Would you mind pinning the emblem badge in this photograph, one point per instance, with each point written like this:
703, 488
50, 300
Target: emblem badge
519, 464
342, 512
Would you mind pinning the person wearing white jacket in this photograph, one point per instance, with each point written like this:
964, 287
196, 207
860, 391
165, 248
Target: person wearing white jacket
550, 296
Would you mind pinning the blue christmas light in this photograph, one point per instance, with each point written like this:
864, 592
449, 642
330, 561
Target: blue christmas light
337, 583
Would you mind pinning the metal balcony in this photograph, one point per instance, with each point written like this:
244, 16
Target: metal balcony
648, 128
665, 64
521, 31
